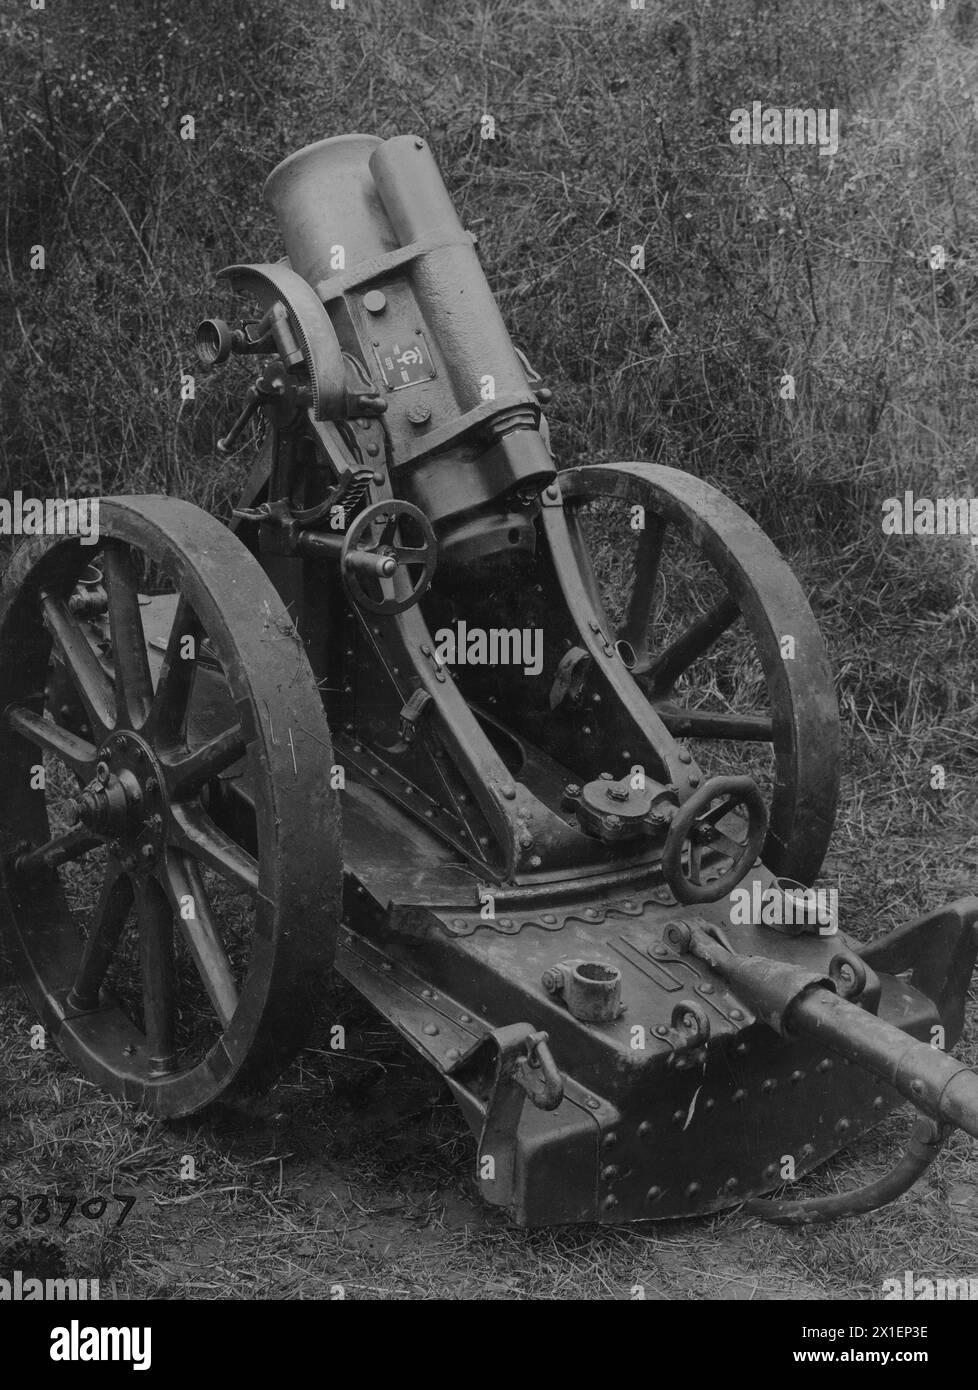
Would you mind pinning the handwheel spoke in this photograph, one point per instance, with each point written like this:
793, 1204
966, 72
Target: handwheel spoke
192, 908
635, 629
193, 831
696, 641
159, 985
133, 683
57, 851
750, 727
188, 774
76, 753
108, 921
716, 813
84, 669
168, 716
725, 845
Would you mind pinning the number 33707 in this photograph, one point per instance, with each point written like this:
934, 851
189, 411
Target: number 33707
42, 1207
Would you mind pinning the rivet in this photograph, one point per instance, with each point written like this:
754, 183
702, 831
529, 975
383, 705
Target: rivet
737, 1015
453, 1054
659, 952
769, 1085
628, 903
386, 967
770, 1170
593, 1104
505, 921
705, 989
610, 1140
678, 1117
590, 913
426, 994
609, 1203
662, 1031
375, 772
653, 1194
807, 1150
609, 1174
693, 1190
824, 1065
739, 1095
508, 790
458, 922
375, 302
685, 756
465, 1018
645, 1130
797, 1076
430, 1030
741, 1049
878, 1102
549, 918
843, 1127
709, 1103
917, 1087
731, 1184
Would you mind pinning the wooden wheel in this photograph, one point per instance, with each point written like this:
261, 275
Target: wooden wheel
720, 639
175, 952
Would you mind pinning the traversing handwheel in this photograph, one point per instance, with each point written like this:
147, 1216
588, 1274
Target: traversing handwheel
373, 553
175, 957
695, 831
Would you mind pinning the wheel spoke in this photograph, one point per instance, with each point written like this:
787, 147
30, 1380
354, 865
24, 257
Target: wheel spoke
696, 641
193, 831
159, 988
76, 753
635, 629
83, 667
751, 727
193, 911
57, 851
188, 774
171, 702
133, 683
108, 921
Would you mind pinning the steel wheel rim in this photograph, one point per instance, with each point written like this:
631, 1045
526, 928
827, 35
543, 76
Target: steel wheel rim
296, 895
804, 709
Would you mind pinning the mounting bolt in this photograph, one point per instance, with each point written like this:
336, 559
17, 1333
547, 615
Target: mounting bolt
147, 853
616, 793
102, 772
552, 980
613, 822
684, 755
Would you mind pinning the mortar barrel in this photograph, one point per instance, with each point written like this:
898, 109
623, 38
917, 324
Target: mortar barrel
324, 198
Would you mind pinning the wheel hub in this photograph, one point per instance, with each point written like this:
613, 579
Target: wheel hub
126, 803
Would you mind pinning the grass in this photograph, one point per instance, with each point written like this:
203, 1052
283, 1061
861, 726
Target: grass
610, 135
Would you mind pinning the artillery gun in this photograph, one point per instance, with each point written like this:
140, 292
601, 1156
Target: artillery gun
541, 761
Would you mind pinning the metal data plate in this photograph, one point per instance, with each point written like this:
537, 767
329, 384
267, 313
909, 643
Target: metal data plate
405, 361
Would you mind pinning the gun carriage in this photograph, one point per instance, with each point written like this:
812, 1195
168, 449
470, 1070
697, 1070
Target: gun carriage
574, 877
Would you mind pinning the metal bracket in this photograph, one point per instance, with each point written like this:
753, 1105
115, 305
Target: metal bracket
524, 1067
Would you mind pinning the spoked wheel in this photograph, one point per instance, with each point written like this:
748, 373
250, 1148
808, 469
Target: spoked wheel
174, 952
720, 639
